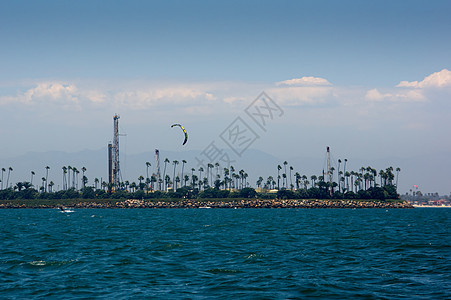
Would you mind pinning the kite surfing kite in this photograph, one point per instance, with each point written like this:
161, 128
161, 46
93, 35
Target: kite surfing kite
184, 131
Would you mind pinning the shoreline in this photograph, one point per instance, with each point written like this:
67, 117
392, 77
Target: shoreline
239, 203
431, 206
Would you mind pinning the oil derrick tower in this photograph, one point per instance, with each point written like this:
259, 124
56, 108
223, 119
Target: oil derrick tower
116, 168
114, 171
157, 158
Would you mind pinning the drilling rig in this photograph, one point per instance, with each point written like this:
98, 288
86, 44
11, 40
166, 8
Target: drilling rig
114, 171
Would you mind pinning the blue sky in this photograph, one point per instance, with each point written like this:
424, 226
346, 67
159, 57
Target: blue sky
369, 78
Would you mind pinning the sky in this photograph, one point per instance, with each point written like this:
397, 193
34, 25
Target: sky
370, 79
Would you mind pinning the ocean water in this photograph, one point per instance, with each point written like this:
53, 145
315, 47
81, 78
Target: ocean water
225, 253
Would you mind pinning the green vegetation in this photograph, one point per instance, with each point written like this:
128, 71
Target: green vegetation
211, 183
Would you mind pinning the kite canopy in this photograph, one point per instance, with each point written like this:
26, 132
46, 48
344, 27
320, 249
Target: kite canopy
184, 131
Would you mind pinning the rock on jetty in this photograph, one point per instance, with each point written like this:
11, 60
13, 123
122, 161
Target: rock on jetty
239, 203
254, 203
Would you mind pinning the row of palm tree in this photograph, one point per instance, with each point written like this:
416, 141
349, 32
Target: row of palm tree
228, 178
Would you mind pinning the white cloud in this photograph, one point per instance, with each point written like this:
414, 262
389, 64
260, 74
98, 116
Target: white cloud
414, 91
398, 96
66, 95
296, 95
305, 81
437, 80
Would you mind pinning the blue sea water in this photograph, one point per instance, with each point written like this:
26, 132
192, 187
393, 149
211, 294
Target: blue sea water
225, 253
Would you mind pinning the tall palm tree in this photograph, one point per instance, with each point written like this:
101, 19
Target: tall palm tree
32, 174
46, 177
285, 163
209, 172
291, 179
175, 162
69, 169
166, 160
43, 184
200, 176
192, 176
217, 170
167, 181
183, 167
226, 177
397, 173
147, 168
84, 178
76, 174
7, 180
64, 176
279, 167
3, 170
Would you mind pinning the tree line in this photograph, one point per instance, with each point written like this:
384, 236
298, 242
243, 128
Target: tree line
211, 181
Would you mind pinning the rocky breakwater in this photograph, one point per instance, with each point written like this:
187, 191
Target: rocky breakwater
247, 203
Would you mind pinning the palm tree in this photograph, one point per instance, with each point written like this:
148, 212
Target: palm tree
185, 179
291, 179
133, 186
166, 160
297, 179
64, 176
285, 163
84, 178
183, 167
147, 168
278, 176
147, 184
153, 179
209, 172
226, 177
200, 176
32, 174
347, 175
192, 176
7, 180
397, 173
177, 180
3, 170
175, 162
140, 178
313, 178
217, 170
167, 180
259, 181
51, 184
46, 176
69, 168
43, 184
